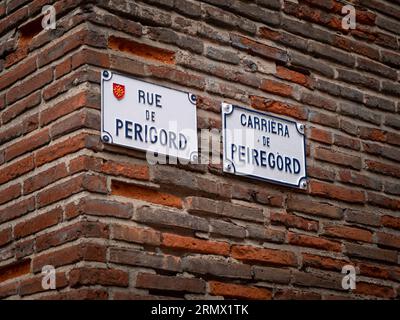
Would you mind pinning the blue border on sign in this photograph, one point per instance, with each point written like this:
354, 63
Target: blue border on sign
272, 116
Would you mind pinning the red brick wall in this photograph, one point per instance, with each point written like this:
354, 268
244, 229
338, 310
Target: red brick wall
115, 227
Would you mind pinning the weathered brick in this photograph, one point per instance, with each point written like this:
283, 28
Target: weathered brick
98, 276
373, 253
45, 178
100, 207
158, 282
348, 232
310, 206
9, 193
239, 291
38, 223
194, 245
313, 242
170, 218
70, 255
207, 206
264, 256
141, 50
336, 192
142, 193
145, 259
293, 221
218, 268
135, 234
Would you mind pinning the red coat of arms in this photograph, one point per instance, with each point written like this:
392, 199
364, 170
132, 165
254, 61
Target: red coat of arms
118, 90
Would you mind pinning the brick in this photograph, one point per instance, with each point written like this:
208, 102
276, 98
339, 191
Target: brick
34, 285
321, 173
322, 262
218, 268
336, 192
226, 229
20, 107
320, 135
347, 142
265, 233
391, 222
222, 55
83, 119
382, 168
5, 236
182, 41
355, 178
310, 206
348, 232
388, 240
357, 111
16, 169
67, 106
293, 76
258, 48
225, 19
141, 50
63, 46
177, 242
180, 77
375, 290
136, 235
145, 259
69, 255
362, 217
239, 291
79, 294
8, 289
170, 218
324, 119
9, 193
357, 79
27, 144
278, 107
44, 178
275, 275
322, 280
275, 87
208, 206
313, 242
291, 294
59, 149
17, 209
98, 276
70, 233
264, 256
383, 201
373, 253
38, 223
59, 191
29, 85
125, 169
100, 207
15, 270
158, 282
293, 221
142, 193
317, 100
308, 62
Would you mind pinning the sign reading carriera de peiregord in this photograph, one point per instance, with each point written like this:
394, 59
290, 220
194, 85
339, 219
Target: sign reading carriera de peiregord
263, 146
145, 116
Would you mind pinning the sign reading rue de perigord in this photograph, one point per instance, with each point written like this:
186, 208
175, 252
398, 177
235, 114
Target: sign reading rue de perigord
145, 116
262, 146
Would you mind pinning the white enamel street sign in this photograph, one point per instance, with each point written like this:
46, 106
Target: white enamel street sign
145, 116
263, 146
